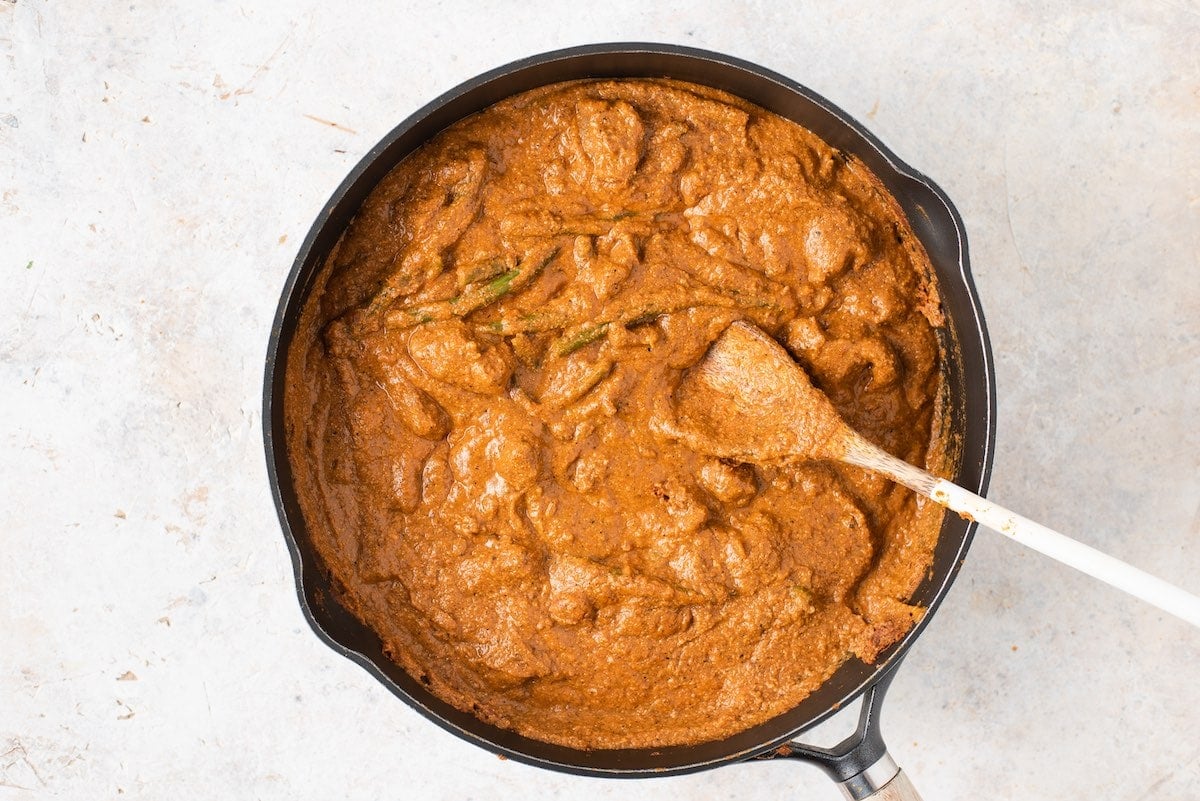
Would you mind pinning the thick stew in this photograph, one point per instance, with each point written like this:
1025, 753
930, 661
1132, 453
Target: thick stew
475, 399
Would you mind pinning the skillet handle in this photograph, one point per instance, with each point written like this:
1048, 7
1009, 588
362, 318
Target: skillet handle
860, 764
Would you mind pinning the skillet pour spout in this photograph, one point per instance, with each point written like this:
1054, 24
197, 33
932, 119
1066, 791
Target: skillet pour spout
861, 764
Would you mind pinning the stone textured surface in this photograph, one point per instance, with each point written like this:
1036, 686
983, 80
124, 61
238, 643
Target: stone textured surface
161, 161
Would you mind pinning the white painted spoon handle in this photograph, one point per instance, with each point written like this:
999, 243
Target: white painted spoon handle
1084, 558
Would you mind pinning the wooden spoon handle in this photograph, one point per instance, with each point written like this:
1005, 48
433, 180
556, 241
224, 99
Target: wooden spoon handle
1084, 558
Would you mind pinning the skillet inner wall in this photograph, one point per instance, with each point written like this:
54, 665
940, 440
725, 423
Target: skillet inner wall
773, 96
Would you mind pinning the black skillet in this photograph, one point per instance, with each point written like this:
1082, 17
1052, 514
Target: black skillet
861, 763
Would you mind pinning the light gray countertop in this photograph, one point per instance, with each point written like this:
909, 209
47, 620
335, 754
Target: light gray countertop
160, 163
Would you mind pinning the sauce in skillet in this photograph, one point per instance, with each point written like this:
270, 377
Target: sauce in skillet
475, 405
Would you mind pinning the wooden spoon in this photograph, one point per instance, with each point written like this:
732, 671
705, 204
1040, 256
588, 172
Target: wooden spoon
748, 400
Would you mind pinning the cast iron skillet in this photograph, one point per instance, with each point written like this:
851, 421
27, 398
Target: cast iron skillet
861, 763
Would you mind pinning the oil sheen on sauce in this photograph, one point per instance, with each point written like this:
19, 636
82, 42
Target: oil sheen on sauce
474, 394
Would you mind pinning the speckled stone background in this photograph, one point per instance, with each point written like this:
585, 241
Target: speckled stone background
160, 163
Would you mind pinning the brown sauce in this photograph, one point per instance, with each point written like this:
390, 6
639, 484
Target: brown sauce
473, 405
